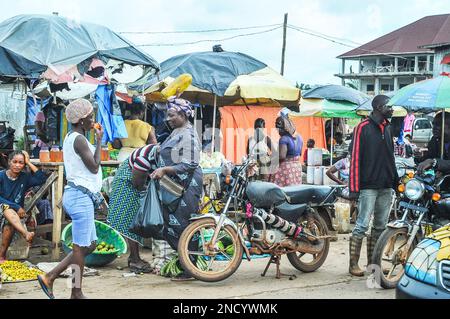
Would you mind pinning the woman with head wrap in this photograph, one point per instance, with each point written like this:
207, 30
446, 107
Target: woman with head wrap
84, 177
179, 160
177, 157
289, 171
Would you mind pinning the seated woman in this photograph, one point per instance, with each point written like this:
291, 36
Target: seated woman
140, 133
14, 182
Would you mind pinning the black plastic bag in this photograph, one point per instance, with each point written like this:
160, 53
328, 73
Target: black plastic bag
7, 138
149, 221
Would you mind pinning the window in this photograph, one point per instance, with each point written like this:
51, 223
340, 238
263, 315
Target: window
387, 87
423, 125
370, 87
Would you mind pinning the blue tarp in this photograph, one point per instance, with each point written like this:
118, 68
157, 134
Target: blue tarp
31, 43
211, 71
112, 123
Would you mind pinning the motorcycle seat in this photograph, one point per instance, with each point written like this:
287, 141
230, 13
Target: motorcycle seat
289, 212
309, 194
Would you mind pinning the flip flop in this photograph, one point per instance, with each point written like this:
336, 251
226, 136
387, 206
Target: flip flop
45, 289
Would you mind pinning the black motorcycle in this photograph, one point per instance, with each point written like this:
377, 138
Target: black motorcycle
258, 218
424, 207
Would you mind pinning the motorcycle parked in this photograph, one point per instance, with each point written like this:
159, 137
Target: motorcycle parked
424, 207
258, 218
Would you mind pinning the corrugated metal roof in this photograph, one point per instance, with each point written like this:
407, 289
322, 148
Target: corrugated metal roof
416, 37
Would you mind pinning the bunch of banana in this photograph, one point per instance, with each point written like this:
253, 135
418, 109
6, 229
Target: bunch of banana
16, 271
201, 263
172, 268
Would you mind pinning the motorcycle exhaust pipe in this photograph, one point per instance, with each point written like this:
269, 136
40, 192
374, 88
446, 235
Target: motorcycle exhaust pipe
303, 246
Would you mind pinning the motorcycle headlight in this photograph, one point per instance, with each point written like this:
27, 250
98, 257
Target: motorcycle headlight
414, 189
422, 263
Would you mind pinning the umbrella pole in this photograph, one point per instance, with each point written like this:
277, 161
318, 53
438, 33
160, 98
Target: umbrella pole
214, 124
331, 142
442, 134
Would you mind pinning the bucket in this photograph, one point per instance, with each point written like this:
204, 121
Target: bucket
315, 157
342, 212
310, 175
318, 175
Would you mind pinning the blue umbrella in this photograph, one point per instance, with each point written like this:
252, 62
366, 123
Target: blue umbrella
337, 93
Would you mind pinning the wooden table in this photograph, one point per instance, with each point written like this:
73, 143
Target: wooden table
56, 181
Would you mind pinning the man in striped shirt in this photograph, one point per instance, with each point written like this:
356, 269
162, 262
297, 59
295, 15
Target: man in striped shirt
373, 176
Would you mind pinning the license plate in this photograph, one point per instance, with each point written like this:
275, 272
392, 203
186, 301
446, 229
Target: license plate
413, 207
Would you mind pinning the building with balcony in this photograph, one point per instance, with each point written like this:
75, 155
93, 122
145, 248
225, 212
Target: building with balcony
416, 52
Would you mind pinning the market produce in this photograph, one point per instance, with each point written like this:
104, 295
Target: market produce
97, 126
103, 247
214, 160
172, 268
12, 271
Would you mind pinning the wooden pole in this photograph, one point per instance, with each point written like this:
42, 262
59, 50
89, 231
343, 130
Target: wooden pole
214, 124
283, 54
57, 217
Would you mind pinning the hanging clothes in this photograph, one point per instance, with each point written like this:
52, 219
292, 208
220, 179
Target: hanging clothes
109, 114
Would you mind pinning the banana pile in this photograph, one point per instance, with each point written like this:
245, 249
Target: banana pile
12, 271
172, 268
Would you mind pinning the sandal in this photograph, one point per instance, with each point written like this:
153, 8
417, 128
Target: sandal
184, 276
47, 290
145, 268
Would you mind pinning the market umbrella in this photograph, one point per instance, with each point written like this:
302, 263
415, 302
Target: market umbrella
331, 101
336, 93
426, 96
366, 108
32, 44
222, 78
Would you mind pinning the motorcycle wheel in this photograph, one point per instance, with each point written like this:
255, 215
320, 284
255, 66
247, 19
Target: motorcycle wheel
387, 256
219, 265
308, 262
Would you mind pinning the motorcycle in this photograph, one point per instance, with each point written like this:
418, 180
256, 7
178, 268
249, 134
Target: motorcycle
258, 218
424, 206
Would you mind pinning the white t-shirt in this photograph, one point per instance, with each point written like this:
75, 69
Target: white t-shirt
343, 166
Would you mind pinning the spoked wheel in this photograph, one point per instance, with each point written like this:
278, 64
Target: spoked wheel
205, 260
390, 255
308, 262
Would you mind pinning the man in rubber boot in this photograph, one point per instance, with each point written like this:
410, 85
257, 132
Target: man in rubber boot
373, 176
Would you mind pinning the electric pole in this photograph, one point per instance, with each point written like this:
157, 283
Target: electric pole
284, 43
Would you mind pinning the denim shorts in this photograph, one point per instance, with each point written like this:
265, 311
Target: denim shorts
80, 208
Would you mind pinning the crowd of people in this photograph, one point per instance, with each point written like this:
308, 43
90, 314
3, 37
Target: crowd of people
366, 166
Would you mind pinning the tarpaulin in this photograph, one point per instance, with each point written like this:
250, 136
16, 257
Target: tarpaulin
237, 125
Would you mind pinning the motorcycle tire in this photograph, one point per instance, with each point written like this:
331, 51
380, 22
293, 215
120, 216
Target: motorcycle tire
189, 266
378, 252
318, 261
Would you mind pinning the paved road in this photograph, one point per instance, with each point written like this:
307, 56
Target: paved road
331, 281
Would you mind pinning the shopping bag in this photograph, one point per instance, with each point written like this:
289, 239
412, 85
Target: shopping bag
149, 221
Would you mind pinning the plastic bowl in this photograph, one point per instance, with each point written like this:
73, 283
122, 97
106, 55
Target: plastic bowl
104, 233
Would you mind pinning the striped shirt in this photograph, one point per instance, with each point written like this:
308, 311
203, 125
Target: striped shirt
143, 159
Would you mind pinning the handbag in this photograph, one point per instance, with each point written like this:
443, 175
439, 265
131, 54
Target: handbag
149, 221
97, 198
171, 192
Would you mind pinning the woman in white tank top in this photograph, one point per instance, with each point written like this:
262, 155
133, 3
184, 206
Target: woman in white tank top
82, 164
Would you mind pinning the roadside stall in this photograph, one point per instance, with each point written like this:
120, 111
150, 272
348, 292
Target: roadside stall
80, 64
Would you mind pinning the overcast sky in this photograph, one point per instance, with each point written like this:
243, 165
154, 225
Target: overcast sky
308, 59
